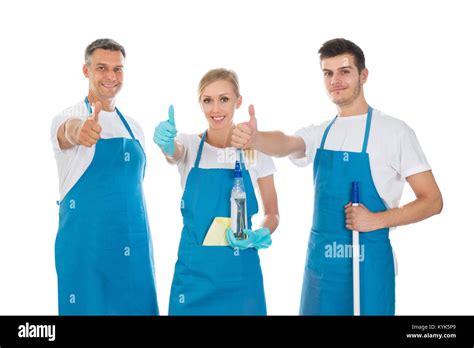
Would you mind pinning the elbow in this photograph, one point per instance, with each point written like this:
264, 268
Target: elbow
170, 160
437, 205
276, 219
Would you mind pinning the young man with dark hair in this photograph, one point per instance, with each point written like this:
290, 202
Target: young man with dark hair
361, 145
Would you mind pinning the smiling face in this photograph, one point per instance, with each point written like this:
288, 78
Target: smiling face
342, 79
218, 102
105, 73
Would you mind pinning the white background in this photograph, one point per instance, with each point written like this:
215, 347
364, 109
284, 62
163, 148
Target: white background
419, 55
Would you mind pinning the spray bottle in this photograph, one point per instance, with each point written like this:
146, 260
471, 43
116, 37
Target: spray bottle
238, 204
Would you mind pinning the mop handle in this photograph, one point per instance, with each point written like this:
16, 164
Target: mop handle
355, 254
355, 193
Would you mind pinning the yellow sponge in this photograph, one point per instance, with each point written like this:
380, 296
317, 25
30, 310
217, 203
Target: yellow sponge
216, 234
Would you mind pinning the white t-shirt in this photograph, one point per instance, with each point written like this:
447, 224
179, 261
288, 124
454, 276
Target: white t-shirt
394, 150
258, 164
72, 163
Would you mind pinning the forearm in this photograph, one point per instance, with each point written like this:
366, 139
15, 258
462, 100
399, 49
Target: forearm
67, 133
271, 222
178, 153
418, 210
278, 144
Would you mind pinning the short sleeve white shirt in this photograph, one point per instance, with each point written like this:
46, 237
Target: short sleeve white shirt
258, 164
72, 163
393, 149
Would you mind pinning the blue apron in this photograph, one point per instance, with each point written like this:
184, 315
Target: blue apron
214, 280
104, 254
327, 284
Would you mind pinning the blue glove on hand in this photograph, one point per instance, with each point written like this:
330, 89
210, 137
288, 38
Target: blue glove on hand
165, 133
258, 239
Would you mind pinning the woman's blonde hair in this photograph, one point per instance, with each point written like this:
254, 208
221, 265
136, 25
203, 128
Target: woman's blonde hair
217, 75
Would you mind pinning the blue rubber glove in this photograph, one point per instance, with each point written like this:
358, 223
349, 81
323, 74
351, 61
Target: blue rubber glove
258, 239
165, 133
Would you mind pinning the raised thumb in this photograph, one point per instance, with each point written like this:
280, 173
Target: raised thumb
97, 110
171, 116
253, 119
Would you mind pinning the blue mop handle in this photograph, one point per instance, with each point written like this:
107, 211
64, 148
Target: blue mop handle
356, 253
355, 193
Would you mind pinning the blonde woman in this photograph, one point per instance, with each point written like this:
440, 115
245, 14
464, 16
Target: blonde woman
218, 280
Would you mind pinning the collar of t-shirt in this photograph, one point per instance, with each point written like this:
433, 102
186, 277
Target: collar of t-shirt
350, 118
112, 125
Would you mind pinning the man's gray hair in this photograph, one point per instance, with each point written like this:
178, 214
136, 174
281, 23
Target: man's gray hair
105, 44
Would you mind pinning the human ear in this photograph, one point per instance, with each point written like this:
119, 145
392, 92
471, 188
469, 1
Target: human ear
238, 103
85, 70
364, 75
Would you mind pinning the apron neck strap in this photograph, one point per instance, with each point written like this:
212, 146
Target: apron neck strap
367, 129
201, 145
241, 156
88, 105
366, 136
325, 135
122, 118
240, 153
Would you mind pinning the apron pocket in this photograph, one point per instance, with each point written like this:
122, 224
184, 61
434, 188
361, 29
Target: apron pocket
214, 264
315, 255
125, 234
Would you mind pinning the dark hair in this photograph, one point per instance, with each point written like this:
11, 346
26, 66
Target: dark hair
105, 44
336, 47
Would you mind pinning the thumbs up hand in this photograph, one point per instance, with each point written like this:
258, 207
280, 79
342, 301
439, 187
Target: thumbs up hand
244, 134
89, 132
165, 133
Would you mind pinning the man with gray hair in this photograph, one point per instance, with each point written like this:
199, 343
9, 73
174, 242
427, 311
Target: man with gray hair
104, 254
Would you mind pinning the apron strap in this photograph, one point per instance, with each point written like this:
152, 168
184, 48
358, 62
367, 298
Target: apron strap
366, 136
326, 133
367, 129
240, 153
201, 145
88, 105
125, 123
122, 118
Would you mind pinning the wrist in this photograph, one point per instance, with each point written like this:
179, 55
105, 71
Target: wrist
256, 142
381, 220
71, 131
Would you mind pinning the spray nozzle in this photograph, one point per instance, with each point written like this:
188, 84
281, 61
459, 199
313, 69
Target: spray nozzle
237, 170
